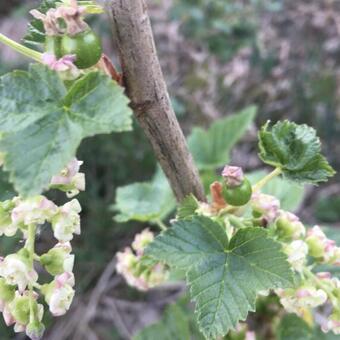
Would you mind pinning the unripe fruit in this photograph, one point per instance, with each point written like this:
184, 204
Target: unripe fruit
86, 46
239, 195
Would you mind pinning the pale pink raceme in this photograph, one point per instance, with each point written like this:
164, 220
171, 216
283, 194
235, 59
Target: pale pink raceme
233, 175
70, 179
15, 269
142, 277
297, 252
265, 205
322, 247
67, 221
65, 65
142, 240
34, 210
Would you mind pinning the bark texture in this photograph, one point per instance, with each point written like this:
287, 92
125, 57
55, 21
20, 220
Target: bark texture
149, 97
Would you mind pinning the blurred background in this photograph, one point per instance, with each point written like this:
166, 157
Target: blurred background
217, 57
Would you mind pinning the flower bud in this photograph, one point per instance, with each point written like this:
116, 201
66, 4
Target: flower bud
7, 227
70, 179
266, 206
7, 292
67, 221
58, 295
298, 300
333, 323
288, 225
35, 330
321, 247
296, 252
16, 270
20, 309
142, 240
58, 259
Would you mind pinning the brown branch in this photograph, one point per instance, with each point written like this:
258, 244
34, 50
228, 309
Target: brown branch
150, 101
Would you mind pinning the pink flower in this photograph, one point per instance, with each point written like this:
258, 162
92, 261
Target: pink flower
34, 210
64, 65
266, 205
70, 179
142, 240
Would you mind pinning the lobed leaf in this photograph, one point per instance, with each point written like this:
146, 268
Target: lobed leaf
296, 150
211, 148
224, 277
187, 207
42, 123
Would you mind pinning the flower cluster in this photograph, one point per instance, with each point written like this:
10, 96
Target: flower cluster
20, 291
299, 244
139, 273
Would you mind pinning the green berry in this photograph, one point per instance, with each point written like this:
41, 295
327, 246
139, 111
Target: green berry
239, 195
86, 46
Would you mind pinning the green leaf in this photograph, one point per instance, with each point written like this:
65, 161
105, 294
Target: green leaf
224, 276
148, 201
294, 328
35, 34
290, 194
173, 326
211, 148
187, 207
295, 149
42, 124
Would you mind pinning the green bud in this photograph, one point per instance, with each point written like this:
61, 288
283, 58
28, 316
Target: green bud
20, 309
35, 330
24, 254
315, 247
7, 292
57, 261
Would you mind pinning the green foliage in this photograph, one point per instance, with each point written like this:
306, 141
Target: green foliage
295, 149
43, 123
224, 276
146, 202
294, 328
173, 326
187, 207
289, 193
327, 209
223, 27
211, 148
